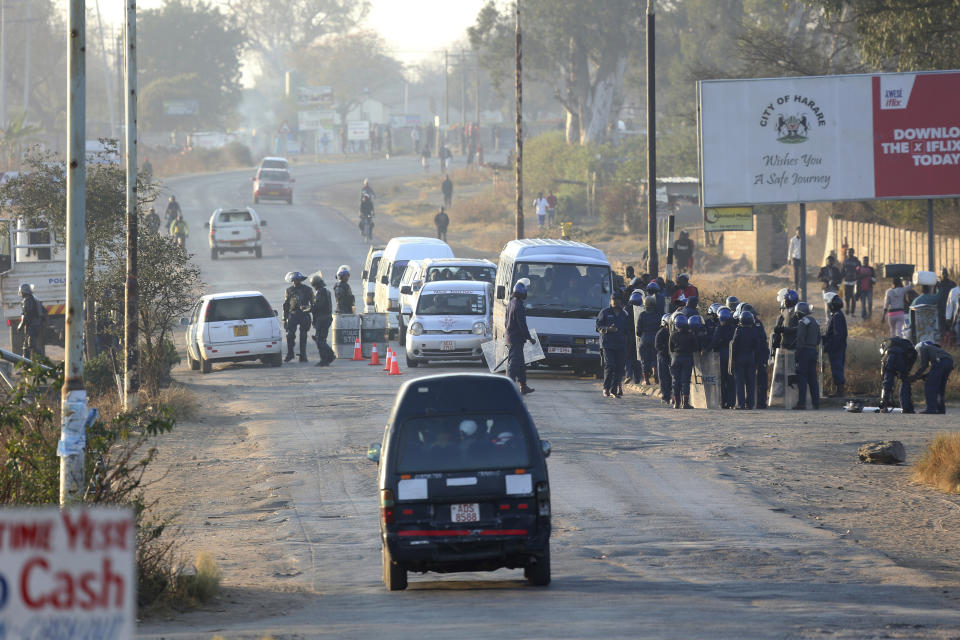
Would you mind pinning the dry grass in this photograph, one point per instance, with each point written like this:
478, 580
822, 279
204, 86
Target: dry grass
180, 400
939, 466
205, 583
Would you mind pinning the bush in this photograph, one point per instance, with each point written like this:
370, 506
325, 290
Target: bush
99, 375
940, 465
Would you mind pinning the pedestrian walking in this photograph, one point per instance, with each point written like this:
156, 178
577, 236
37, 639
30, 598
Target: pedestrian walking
866, 278
894, 307
935, 385
415, 139
441, 221
613, 327
808, 337
446, 187
683, 249
551, 209
850, 267
793, 257
425, 157
297, 304
540, 206
830, 278
835, 345
517, 335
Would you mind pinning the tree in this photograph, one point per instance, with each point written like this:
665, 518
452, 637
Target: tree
581, 48
356, 65
13, 134
279, 28
189, 50
901, 35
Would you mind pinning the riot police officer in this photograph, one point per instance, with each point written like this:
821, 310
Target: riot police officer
720, 343
648, 325
941, 364
297, 303
683, 344
322, 312
896, 359
835, 342
31, 321
808, 337
613, 325
662, 345
342, 291
747, 345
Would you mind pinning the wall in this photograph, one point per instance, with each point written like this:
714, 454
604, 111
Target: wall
891, 245
755, 246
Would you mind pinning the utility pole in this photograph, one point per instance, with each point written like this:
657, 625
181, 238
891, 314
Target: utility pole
131, 348
3, 63
463, 91
446, 88
73, 431
519, 81
653, 260
476, 69
26, 60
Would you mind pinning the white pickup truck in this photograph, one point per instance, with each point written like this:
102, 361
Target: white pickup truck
32, 256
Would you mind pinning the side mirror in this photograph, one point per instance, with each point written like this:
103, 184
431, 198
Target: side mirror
545, 448
406, 290
364, 274
263, 223
275, 313
373, 453
184, 322
501, 292
417, 284
384, 280
206, 225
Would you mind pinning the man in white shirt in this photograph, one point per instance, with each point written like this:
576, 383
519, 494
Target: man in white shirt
540, 204
953, 307
793, 256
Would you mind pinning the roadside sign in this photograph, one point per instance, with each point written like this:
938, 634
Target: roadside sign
320, 95
181, 107
284, 128
316, 119
728, 219
358, 130
67, 574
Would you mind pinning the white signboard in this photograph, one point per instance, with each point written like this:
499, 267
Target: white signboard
358, 130
495, 352
315, 120
320, 94
67, 574
855, 137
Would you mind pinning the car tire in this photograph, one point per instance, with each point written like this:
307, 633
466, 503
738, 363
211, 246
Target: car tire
205, 366
538, 573
258, 252
394, 576
194, 364
412, 363
402, 333
275, 360
214, 254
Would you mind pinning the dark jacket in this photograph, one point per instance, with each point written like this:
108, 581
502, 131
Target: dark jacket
447, 186
720, 341
441, 220
613, 326
322, 304
516, 321
850, 266
344, 296
298, 298
683, 343
929, 355
835, 339
808, 333
763, 353
662, 341
748, 344
648, 325
829, 276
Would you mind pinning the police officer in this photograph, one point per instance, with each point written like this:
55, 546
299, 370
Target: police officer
31, 321
683, 344
631, 360
785, 331
613, 326
763, 352
720, 344
835, 343
517, 335
662, 345
656, 290
732, 302
342, 291
896, 359
297, 302
808, 337
322, 312
747, 343
648, 326
941, 364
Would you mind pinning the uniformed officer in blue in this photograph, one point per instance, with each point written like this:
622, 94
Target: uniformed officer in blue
683, 344
613, 324
835, 343
720, 344
748, 344
297, 303
517, 335
648, 324
935, 387
896, 359
662, 345
808, 337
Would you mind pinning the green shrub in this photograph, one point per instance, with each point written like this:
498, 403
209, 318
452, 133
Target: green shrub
99, 375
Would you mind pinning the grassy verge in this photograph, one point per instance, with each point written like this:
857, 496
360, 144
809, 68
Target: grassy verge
939, 466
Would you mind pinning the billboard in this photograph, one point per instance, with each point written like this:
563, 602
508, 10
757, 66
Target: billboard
358, 130
315, 95
810, 139
728, 219
316, 120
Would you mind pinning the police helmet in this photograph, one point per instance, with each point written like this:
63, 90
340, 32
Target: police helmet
637, 298
680, 321
732, 302
468, 428
343, 269
676, 314
802, 309
787, 298
173, 199
636, 283
316, 280
744, 306
695, 321
650, 302
294, 276
519, 288
713, 309
26, 289
665, 320
925, 343
525, 281
725, 315
746, 319
835, 303
653, 287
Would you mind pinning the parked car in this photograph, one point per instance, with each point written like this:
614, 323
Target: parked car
235, 230
232, 327
369, 276
273, 184
450, 321
436, 269
463, 481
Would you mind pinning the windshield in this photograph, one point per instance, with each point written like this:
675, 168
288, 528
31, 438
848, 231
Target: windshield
374, 267
246, 308
476, 273
452, 304
274, 175
274, 164
461, 443
565, 286
396, 275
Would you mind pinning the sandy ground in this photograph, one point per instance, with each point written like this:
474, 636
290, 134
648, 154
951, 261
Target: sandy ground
666, 523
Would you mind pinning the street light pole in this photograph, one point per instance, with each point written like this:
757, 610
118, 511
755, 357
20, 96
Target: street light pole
73, 431
653, 261
131, 381
519, 96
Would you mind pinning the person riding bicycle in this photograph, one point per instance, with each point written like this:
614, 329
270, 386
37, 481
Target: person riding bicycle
366, 189
173, 209
366, 215
179, 229
152, 220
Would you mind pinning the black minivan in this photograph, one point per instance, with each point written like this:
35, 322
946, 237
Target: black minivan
463, 481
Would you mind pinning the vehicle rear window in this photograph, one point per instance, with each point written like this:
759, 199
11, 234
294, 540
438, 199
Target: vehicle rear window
274, 164
274, 175
462, 442
245, 308
396, 275
479, 274
235, 216
374, 266
452, 304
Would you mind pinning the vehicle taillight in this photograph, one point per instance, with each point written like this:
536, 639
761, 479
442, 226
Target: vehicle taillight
258, 233
387, 515
543, 499
206, 314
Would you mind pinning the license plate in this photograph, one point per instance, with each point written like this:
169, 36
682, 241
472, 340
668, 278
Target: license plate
465, 512
559, 349
448, 345
241, 330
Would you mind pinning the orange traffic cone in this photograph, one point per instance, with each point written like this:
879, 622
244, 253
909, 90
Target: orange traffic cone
375, 356
389, 358
357, 350
394, 367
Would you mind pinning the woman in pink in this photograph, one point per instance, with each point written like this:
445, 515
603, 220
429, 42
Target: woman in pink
893, 305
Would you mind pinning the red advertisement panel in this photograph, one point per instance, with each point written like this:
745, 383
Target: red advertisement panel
916, 135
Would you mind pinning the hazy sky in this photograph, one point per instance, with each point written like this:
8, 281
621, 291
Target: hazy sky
412, 28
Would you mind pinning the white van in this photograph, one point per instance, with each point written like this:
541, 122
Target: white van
398, 253
419, 272
368, 278
570, 282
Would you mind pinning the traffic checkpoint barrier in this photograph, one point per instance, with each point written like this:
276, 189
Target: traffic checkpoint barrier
357, 350
373, 328
374, 356
394, 367
344, 333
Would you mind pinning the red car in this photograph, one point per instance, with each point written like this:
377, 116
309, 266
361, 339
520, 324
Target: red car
273, 184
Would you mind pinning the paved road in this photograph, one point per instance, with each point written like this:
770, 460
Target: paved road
647, 543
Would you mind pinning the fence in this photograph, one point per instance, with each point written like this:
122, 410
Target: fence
890, 245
